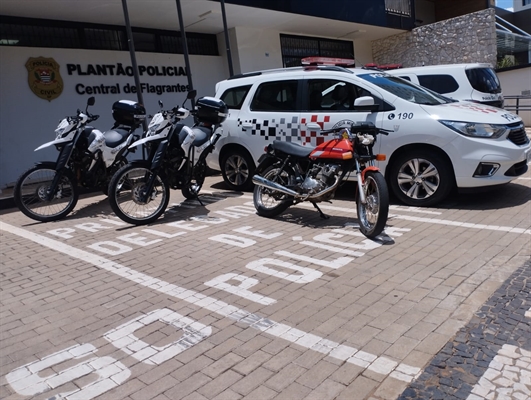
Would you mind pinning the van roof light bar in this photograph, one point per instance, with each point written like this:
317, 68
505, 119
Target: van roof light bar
339, 62
382, 66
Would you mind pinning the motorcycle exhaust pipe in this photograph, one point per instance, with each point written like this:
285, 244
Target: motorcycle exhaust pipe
259, 181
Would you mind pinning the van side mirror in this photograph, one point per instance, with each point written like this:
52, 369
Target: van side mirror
365, 103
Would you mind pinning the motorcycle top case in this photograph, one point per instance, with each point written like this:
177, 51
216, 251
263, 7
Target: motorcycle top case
211, 110
127, 112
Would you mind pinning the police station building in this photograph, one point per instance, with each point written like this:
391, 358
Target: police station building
55, 55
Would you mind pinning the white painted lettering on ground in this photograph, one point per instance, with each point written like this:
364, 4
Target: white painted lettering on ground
123, 337
110, 373
242, 290
349, 354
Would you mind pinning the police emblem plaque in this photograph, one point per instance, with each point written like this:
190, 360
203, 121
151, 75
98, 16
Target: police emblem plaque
44, 78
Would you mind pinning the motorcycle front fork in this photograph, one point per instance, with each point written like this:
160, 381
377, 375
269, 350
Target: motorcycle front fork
359, 179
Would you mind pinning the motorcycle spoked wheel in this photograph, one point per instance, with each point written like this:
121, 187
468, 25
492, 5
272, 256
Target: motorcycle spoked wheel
372, 215
30, 194
125, 195
268, 202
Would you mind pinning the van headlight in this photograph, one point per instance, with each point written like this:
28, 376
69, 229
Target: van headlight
478, 130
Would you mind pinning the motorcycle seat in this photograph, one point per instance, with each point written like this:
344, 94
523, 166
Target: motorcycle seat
115, 137
202, 134
293, 149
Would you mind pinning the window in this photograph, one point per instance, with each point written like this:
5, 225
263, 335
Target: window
104, 39
275, 96
234, 97
526, 2
330, 95
295, 48
484, 80
31, 32
439, 83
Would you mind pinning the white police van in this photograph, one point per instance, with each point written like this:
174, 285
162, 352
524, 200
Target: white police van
437, 144
470, 82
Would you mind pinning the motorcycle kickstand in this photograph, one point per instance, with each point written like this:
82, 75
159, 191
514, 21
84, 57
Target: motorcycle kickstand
322, 214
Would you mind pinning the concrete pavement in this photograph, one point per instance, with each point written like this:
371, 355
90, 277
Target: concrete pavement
215, 302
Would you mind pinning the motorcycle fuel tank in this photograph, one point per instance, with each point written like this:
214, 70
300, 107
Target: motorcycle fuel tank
338, 149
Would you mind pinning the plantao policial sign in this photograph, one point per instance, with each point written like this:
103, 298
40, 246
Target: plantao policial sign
118, 70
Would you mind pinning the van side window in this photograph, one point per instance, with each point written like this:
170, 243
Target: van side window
484, 80
332, 95
275, 96
407, 78
234, 97
439, 83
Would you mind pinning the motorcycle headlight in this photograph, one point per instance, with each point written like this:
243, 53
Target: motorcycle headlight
152, 130
62, 128
478, 130
154, 124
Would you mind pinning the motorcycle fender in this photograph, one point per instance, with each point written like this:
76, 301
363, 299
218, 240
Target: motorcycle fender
371, 168
47, 164
159, 155
144, 140
53, 142
265, 161
139, 163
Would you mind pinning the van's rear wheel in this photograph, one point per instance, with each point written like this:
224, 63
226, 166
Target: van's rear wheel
421, 178
237, 168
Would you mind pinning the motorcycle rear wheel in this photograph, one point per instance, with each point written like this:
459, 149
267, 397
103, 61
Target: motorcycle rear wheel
30, 194
268, 202
125, 192
191, 190
372, 215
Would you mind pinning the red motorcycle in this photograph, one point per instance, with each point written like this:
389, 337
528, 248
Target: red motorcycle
290, 173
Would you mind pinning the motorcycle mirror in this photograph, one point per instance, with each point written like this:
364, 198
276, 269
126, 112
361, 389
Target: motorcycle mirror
91, 100
160, 104
191, 94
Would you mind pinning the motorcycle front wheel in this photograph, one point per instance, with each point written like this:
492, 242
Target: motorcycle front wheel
269, 202
372, 215
126, 195
31, 194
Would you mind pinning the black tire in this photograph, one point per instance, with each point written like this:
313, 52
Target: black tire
110, 173
421, 178
237, 168
191, 190
30, 191
270, 203
372, 215
124, 193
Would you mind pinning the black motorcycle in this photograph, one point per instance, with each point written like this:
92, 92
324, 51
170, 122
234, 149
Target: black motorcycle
87, 158
140, 191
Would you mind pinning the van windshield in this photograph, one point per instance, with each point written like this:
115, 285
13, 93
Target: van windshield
405, 89
484, 80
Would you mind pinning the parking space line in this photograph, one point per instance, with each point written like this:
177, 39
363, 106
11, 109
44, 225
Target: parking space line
437, 221
379, 364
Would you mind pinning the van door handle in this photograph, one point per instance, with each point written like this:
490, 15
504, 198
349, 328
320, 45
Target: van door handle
247, 125
313, 126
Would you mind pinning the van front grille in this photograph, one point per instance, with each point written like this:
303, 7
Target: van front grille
518, 135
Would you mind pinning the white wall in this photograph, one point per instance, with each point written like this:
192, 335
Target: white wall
517, 6
517, 82
256, 49
27, 121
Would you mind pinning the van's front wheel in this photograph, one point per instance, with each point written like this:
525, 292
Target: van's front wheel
421, 178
